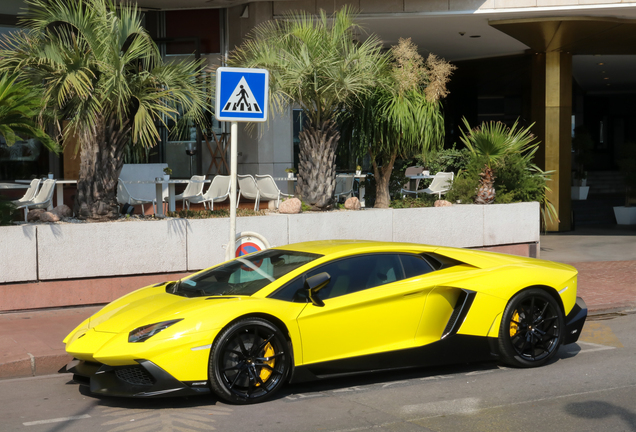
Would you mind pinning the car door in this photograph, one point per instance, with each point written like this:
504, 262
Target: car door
370, 307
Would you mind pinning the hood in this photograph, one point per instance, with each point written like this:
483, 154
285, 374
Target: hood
127, 314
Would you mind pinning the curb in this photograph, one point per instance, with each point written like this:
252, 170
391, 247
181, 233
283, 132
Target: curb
31, 365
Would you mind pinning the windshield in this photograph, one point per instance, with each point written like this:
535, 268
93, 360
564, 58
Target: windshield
242, 276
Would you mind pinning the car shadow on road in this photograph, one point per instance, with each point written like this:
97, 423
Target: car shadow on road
366, 380
598, 410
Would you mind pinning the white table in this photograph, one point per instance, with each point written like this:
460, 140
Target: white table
159, 190
59, 188
413, 180
290, 183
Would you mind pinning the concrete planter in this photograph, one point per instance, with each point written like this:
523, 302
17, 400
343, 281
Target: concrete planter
48, 252
579, 193
625, 215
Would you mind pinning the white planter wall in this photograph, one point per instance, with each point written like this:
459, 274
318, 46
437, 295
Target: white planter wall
458, 226
18, 254
69, 251
113, 248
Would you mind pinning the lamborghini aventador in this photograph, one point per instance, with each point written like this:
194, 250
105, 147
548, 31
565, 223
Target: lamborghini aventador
306, 311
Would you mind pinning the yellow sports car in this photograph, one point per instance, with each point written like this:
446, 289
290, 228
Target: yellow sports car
305, 311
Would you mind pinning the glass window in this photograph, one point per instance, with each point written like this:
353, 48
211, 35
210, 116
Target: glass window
243, 276
415, 265
348, 275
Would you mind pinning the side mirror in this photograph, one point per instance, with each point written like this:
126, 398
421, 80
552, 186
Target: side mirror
315, 284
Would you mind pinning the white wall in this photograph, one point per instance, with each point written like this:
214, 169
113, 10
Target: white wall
67, 251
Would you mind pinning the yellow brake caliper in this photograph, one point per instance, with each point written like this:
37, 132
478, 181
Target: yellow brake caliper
514, 328
268, 351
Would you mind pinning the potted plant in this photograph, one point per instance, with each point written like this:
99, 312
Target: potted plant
358, 170
166, 173
626, 215
290, 172
582, 146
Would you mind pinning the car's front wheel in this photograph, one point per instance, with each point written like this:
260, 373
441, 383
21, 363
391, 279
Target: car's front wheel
249, 361
531, 329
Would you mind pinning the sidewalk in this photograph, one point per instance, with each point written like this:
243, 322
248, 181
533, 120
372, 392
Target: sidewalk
31, 342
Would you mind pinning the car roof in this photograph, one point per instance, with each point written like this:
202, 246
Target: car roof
329, 247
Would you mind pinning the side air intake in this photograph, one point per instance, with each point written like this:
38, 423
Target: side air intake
464, 301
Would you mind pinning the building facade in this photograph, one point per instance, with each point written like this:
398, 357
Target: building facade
558, 64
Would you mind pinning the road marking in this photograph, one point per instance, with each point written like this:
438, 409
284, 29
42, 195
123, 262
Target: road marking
450, 407
595, 347
599, 333
57, 420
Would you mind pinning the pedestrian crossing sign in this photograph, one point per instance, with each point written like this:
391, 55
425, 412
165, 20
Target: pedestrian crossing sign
241, 94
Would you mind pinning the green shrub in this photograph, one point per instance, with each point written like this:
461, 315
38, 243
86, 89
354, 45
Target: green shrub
446, 160
7, 211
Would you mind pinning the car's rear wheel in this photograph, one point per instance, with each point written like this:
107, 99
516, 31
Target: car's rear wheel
531, 329
249, 361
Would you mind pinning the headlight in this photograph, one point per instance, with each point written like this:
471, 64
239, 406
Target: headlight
142, 333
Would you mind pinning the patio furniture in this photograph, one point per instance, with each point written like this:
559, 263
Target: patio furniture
413, 171
192, 190
344, 186
43, 199
268, 189
125, 197
442, 182
29, 194
218, 191
249, 189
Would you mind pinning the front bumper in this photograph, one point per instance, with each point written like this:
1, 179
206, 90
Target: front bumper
574, 321
143, 380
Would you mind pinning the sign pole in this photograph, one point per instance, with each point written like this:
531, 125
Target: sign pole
231, 246
241, 96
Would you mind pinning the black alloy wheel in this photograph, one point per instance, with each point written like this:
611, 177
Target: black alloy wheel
249, 361
531, 329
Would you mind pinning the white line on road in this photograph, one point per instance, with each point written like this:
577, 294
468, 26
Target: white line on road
595, 347
56, 420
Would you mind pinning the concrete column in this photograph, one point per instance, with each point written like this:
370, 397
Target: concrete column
558, 117
552, 113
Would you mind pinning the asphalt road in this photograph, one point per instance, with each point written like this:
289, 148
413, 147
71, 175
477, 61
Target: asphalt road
591, 386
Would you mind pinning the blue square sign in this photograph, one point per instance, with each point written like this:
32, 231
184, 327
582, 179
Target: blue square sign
241, 94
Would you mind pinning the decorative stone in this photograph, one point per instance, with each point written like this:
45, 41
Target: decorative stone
62, 211
290, 206
34, 215
443, 203
49, 217
352, 203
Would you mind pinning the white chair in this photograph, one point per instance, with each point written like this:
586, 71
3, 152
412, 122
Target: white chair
43, 199
412, 171
344, 186
29, 194
249, 189
124, 197
218, 191
442, 183
268, 189
192, 190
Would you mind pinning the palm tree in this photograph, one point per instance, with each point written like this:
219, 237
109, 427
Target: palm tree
492, 141
401, 118
100, 71
316, 63
19, 108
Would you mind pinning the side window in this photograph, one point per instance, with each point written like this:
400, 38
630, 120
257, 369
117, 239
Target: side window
415, 265
348, 275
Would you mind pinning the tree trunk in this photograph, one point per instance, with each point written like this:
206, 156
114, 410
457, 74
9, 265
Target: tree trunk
101, 162
382, 179
317, 166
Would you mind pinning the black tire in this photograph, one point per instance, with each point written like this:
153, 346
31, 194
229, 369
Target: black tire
531, 329
249, 361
